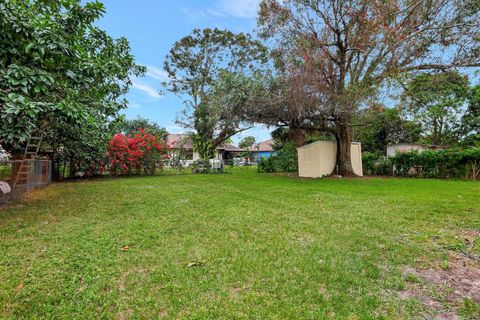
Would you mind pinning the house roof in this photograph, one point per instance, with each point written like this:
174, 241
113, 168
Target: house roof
179, 141
230, 148
264, 146
416, 145
183, 141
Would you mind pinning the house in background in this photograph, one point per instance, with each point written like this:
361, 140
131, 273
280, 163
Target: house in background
229, 151
406, 147
181, 145
263, 149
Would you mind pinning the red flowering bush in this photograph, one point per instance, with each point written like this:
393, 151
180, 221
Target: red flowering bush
131, 154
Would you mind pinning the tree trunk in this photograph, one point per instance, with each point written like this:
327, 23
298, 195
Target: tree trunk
343, 136
296, 136
56, 170
435, 131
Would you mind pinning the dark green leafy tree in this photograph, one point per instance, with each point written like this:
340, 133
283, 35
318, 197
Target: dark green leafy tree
57, 66
377, 127
471, 119
60, 76
131, 127
209, 68
247, 142
436, 100
79, 150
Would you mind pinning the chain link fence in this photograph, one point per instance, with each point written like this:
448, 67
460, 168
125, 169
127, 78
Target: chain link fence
18, 177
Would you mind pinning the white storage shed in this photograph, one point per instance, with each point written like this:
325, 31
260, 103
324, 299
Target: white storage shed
318, 159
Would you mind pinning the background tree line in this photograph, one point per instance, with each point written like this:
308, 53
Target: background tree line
328, 62
434, 108
315, 70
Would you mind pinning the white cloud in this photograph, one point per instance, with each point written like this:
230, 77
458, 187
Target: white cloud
157, 73
194, 15
215, 12
260, 132
245, 9
149, 90
134, 105
239, 8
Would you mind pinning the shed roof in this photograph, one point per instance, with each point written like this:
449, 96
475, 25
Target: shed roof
322, 141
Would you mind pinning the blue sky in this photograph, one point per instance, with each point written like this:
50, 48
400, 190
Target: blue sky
152, 26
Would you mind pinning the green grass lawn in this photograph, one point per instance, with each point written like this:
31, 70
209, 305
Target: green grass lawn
5, 171
237, 245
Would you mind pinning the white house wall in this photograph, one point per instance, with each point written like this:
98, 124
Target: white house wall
393, 149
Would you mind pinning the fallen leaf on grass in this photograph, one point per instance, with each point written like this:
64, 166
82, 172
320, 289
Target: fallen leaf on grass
20, 286
195, 263
125, 248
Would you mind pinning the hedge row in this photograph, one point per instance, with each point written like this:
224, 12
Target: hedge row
375, 164
450, 163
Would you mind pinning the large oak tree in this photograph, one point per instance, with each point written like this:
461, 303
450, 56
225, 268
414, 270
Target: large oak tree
352, 46
286, 99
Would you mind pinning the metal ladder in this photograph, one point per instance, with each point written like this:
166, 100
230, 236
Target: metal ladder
31, 152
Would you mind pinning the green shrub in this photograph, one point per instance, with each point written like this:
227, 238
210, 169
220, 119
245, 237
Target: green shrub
266, 164
284, 160
383, 167
5, 171
376, 164
368, 162
449, 163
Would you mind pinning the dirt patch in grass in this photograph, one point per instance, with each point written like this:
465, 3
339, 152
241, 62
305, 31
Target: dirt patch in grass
470, 237
444, 290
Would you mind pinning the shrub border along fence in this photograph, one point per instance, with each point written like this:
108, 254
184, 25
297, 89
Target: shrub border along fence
446, 164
